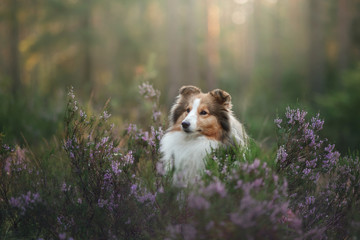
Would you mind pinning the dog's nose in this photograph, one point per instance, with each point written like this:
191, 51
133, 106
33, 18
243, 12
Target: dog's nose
185, 124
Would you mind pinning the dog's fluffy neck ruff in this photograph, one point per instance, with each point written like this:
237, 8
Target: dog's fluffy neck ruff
186, 153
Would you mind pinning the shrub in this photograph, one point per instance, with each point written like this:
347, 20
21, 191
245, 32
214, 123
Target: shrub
248, 201
323, 187
91, 184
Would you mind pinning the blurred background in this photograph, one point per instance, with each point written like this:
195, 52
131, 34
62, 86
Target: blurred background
268, 54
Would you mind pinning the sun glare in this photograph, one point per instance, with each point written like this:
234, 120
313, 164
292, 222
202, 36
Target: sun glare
239, 17
241, 1
272, 1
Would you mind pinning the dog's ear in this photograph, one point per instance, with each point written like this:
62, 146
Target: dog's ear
222, 97
189, 90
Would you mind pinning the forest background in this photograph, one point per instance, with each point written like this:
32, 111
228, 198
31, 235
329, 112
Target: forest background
267, 54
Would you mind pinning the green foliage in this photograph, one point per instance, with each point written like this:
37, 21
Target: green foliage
323, 186
32, 120
92, 184
338, 106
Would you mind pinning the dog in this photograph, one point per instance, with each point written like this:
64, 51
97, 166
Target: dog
199, 122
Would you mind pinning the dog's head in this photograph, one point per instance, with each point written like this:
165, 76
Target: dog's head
198, 113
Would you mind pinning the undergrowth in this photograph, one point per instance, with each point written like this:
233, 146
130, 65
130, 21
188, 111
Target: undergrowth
94, 184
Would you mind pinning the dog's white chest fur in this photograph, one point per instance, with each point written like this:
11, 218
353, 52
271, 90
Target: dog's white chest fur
186, 153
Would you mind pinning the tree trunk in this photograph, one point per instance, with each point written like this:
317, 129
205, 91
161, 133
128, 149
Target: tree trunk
276, 50
213, 30
316, 47
343, 33
87, 56
174, 56
254, 40
14, 48
192, 76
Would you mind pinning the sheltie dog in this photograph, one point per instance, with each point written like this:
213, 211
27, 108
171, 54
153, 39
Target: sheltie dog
199, 122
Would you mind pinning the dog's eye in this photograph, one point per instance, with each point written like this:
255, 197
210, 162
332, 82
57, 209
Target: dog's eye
203, 112
188, 110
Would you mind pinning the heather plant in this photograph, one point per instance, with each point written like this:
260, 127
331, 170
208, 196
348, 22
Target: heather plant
303, 155
222, 161
96, 193
337, 202
105, 178
144, 143
91, 183
153, 96
246, 200
20, 187
323, 187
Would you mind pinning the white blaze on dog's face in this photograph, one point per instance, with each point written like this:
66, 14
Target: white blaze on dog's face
189, 124
197, 113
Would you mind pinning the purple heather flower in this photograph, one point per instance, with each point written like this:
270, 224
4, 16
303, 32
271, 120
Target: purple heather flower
128, 158
223, 171
132, 128
145, 136
75, 106
238, 184
147, 197
15, 202
236, 219
6, 147
276, 178
25, 201
317, 123
68, 144
160, 168
133, 188
294, 116
102, 202
105, 115
148, 91
107, 180
82, 114
306, 171
300, 116
17, 162
309, 200
331, 156
115, 166
207, 172
104, 140
255, 164
278, 121
7, 166
258, 182
159, 133
174, 230
65, 188
289, 115
210, 225
62, 236
281, 154
198, 202
156, 115
71, 92
189, 232
215, 187
309, 134
312, 163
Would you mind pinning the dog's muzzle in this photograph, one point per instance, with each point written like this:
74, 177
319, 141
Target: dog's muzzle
185, 125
